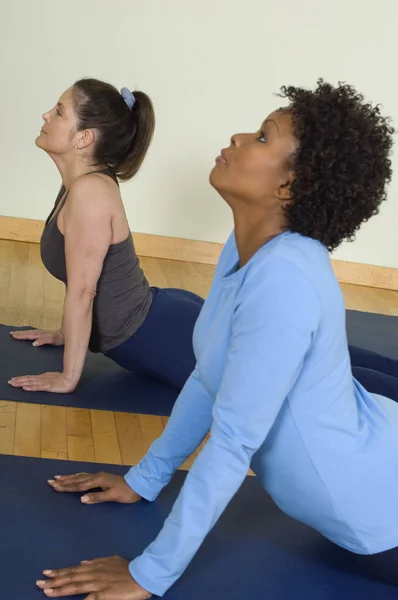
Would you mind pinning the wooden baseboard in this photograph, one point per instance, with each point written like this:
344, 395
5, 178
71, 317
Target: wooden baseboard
146, 244
367, 275
21, 230
158, 246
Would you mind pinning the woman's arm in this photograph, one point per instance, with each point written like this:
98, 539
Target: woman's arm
189, 423
88, 235
271, 332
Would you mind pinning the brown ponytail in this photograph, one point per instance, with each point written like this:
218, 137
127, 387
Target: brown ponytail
124, 134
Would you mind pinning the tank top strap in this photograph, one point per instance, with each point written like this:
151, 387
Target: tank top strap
107, 171
59, 203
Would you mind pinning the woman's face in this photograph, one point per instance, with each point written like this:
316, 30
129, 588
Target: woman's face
256, 167
58, 133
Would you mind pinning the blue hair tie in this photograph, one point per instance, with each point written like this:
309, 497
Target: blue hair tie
128, 97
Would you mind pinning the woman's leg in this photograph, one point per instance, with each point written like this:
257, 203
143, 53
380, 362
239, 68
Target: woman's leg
378, 374
382, 566
377, 382
162, 346
372, 360
184, 295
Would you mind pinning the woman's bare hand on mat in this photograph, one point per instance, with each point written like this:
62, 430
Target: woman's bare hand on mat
47, 382
101, 579
114, 487
40, 337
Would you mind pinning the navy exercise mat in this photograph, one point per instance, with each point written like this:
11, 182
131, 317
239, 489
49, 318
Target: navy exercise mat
254, 551
373, 332
104, 385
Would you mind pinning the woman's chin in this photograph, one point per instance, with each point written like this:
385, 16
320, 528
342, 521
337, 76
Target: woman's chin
215, 177
40, 142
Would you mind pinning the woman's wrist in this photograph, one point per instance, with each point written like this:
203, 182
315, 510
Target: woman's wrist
71, 378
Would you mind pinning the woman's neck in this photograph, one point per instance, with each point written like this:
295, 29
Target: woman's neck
254, 228
71, 168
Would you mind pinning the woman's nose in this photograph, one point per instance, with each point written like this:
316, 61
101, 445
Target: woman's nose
237, 139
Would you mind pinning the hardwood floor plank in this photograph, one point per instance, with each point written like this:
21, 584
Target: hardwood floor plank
106, 443
8, 412
53, 431
81, 448
27, 436
78, 422
131, 440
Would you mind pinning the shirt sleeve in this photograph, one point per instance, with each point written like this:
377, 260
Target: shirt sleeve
275, 318
188, 425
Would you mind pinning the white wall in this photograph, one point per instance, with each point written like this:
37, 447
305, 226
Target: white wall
211, 67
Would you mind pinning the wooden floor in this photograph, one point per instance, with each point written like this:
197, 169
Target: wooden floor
30, 296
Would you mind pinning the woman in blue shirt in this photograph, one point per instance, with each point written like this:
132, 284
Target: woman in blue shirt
273, 382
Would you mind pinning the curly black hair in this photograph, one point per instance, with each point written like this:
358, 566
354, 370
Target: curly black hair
342, 164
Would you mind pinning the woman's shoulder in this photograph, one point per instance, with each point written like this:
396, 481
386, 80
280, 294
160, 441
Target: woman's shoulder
298, 265
292, 244
98, 183
306, 254
93, 192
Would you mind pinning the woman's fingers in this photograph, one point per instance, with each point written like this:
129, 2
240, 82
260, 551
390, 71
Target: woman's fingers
114, 488
46, 382
43, 340
30, 334
98, 497
39, 337
61, 587
105, 579
81, 482
32, 383
22, 381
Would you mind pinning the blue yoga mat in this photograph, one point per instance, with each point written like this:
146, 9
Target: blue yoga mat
373, 332
107, 386
104, 385
254, 551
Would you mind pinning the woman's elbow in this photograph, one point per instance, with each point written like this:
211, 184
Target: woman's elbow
84, 295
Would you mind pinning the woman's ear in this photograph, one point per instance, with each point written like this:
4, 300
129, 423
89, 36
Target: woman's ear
85, 139
284, 191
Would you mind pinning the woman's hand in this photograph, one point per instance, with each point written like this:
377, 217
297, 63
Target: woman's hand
102, 579
47, 382
40, 337
114, 487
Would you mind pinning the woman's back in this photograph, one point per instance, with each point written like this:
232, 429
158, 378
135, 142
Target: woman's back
330, 458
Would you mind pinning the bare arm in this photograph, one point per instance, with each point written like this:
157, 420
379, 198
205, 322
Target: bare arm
87, 224
88, 235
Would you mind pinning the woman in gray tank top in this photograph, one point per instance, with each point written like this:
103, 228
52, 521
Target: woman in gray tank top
97, 136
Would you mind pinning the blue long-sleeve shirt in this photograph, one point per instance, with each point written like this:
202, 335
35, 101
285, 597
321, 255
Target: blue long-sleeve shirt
274, 387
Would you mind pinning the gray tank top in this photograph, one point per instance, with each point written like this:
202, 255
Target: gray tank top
123, 295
